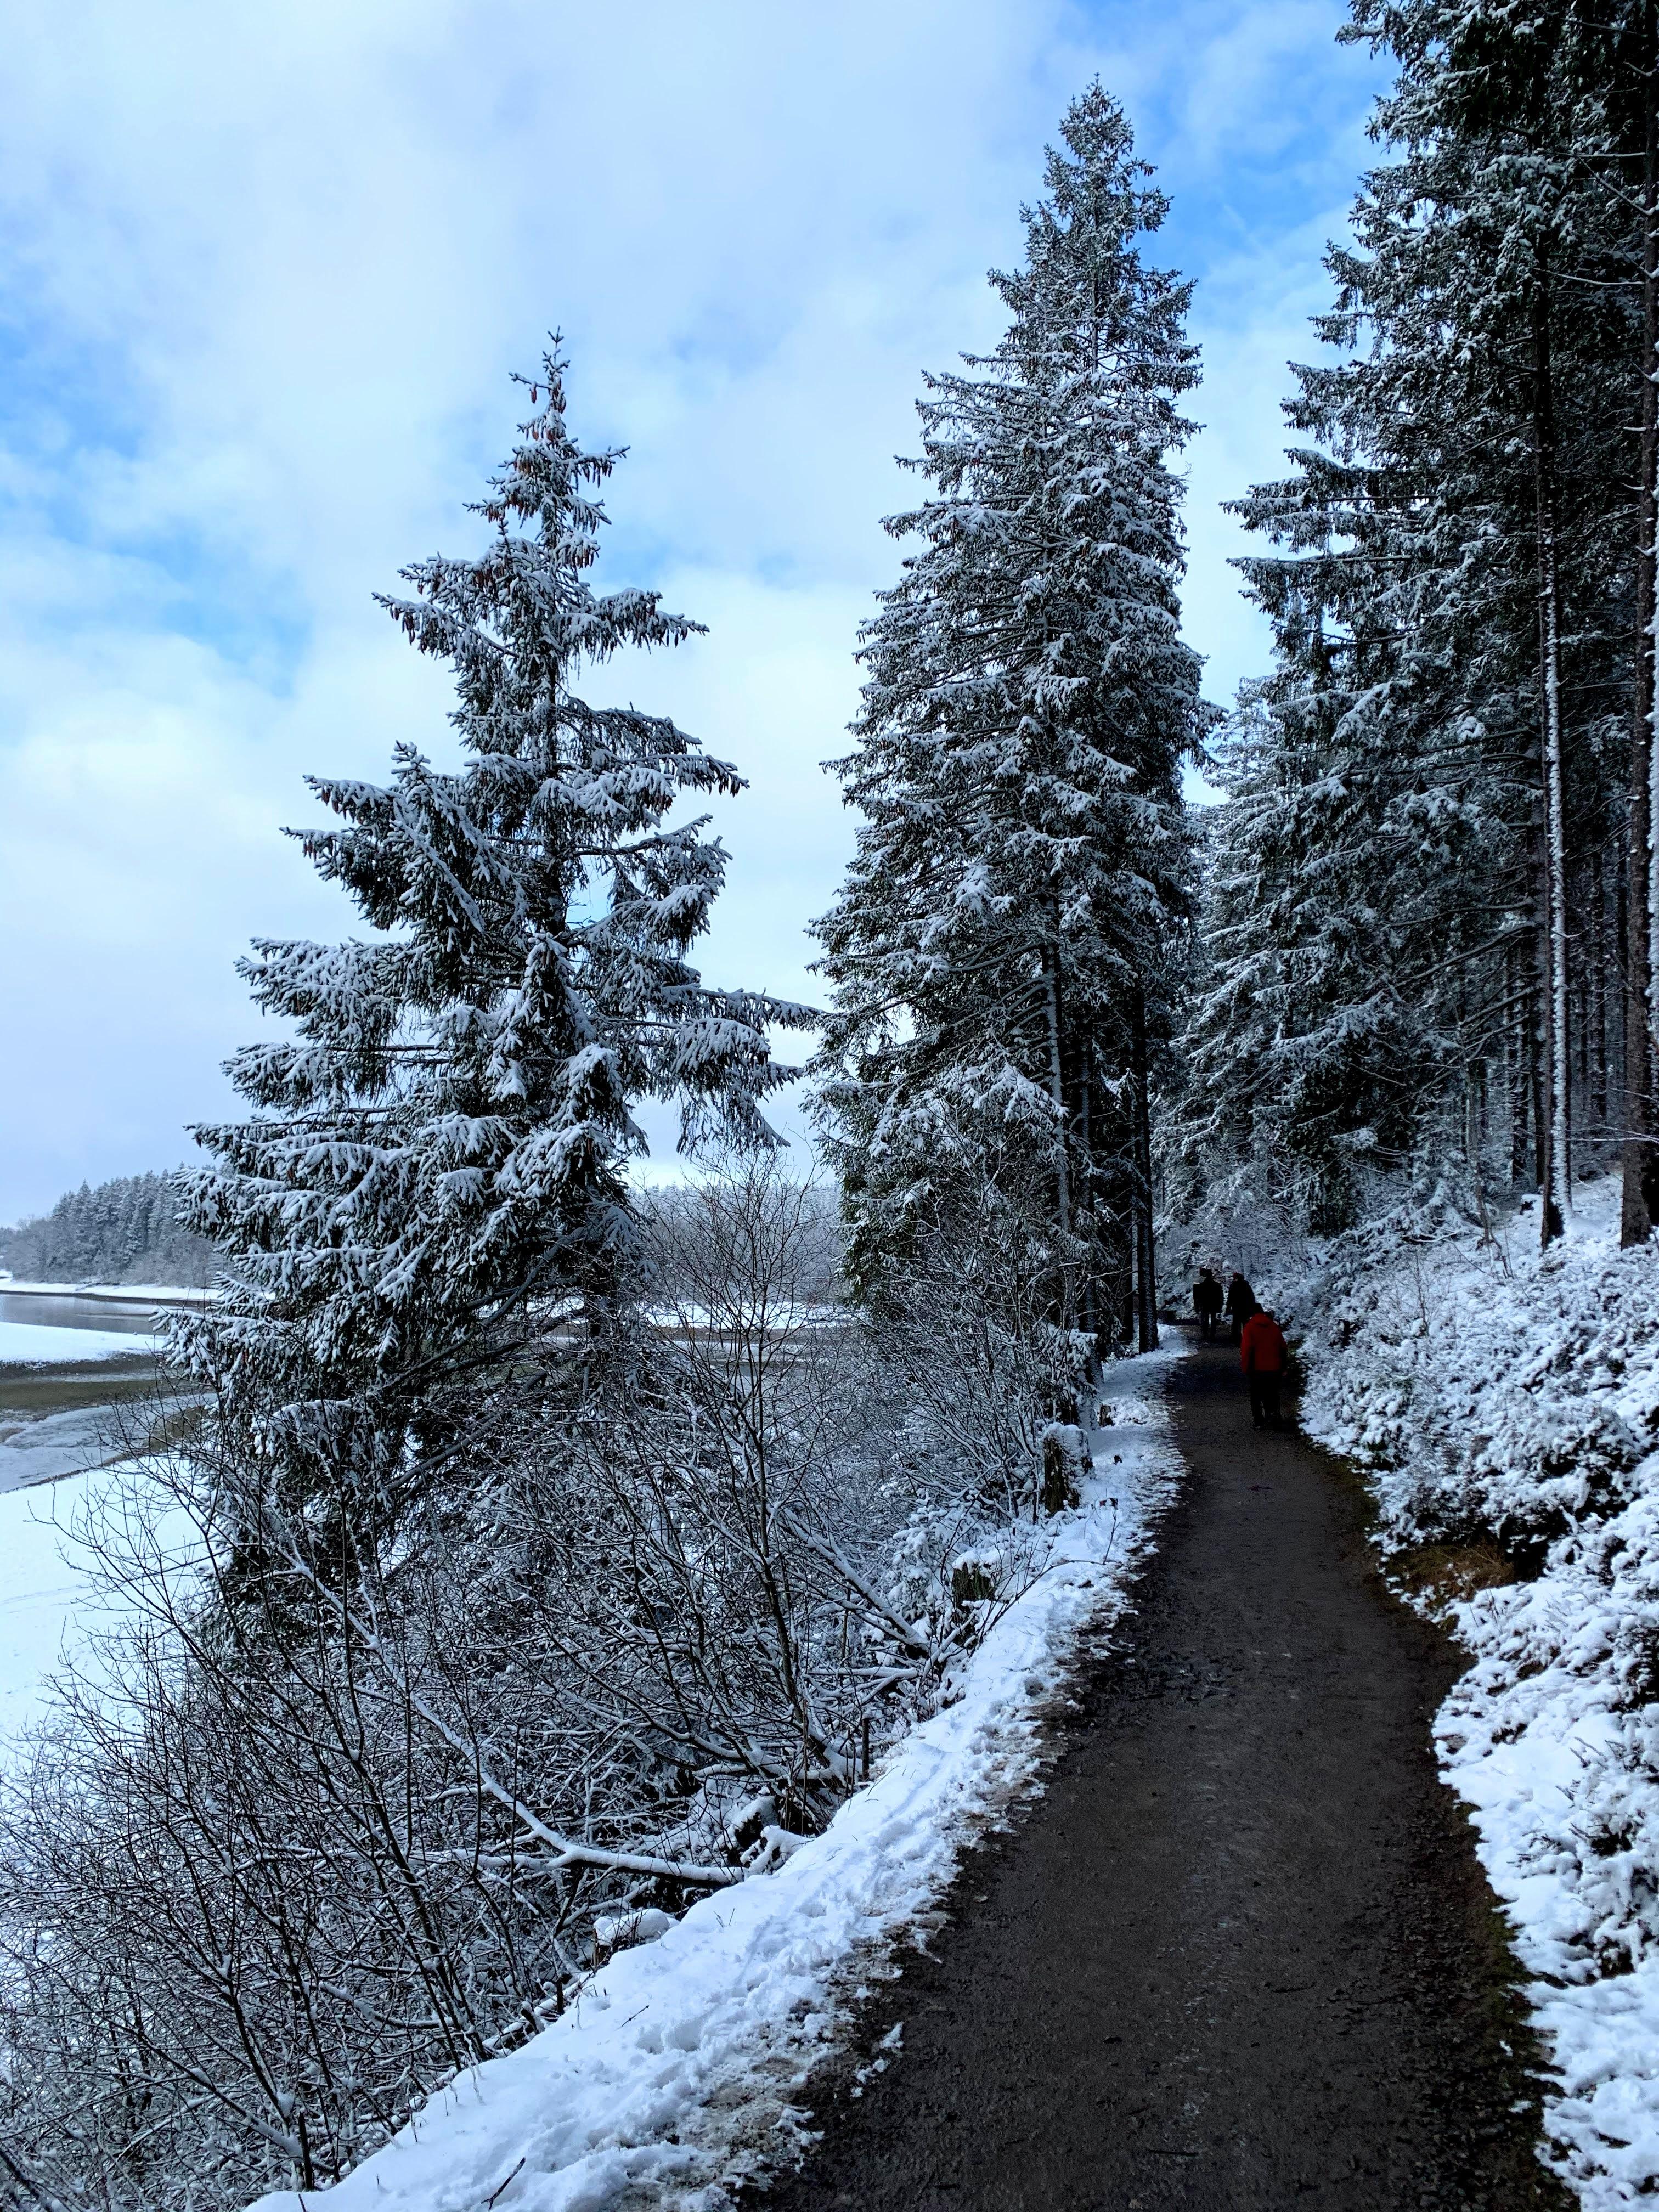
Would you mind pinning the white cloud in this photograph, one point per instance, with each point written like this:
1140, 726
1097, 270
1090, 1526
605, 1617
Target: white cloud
266, 272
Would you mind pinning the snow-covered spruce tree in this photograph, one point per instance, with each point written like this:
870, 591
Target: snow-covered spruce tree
1005, 949
440, 1147
1427, 807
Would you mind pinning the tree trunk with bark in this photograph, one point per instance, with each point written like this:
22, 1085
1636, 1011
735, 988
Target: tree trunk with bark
1639, 1212
1557, 1179
1063, 1130
1145, 1252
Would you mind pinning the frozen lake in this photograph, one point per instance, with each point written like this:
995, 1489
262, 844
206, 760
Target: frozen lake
34, 1343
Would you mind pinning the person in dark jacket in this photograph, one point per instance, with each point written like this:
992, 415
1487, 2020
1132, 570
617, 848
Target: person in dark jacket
1241, 1302
1206, 1302
1261, 1355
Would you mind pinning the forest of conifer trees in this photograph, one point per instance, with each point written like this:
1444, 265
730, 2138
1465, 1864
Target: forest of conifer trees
1430, 895
560, 1554
124, 1231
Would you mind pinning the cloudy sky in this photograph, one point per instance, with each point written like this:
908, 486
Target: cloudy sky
263, 272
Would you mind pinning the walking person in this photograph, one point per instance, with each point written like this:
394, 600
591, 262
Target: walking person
1206, 1303
1241, 1302
1261, 1355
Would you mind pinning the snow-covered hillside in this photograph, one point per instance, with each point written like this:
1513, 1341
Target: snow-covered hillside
674, 2073
1506, 1407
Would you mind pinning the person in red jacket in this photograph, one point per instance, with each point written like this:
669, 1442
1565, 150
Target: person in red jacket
1261, 1355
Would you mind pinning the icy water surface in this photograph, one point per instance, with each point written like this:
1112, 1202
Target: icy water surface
124, 1319
74, 1373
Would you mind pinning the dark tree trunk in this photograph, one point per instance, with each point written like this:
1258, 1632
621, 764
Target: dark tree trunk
1145, 1255
1555, 1164
1053, 1011
1085, 1196
1640, 1208
1596, 1023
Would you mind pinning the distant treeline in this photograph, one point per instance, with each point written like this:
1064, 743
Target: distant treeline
124, 1231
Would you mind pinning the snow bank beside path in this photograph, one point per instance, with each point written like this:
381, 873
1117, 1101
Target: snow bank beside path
671, 2075
1505, 1405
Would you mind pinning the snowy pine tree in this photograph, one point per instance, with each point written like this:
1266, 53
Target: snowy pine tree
441, 1143
1005, 949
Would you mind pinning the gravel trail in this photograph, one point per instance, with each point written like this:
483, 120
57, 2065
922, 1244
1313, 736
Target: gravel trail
1240, 1955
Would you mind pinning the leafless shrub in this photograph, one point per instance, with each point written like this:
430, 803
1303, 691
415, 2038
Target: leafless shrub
969, 1330
332, 1807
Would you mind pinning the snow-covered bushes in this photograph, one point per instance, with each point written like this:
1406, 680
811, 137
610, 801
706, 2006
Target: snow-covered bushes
1505, 1407
760, 1524
974, 1326
324, 1825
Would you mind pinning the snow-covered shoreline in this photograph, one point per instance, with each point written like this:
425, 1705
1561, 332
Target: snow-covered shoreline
673, 2073
127, 1294
36, 1344
1504, 1405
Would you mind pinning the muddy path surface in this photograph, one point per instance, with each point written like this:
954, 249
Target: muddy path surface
1240, 1955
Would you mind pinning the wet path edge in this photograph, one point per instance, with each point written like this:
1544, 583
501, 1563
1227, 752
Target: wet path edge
1240, 1954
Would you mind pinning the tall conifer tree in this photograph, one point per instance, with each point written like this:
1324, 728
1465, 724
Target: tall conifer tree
442, 1141
1005, 949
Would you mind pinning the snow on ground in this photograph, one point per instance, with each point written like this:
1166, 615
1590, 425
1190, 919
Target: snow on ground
41, 1592
54, 1445
31, 1343
672, 2074
51, 1602
1506, 1406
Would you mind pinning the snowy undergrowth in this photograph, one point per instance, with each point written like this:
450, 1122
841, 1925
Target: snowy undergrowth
1505, 1406
674, 2075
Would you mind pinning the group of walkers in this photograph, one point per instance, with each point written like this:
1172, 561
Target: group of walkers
1210, 1301
1261, 1342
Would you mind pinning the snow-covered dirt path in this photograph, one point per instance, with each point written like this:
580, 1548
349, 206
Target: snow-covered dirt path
1241, 1955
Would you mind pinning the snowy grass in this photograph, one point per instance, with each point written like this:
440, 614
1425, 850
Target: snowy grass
1506, 1407
674, 2075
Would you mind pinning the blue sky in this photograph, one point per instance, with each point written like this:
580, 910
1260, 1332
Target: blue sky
263, 275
